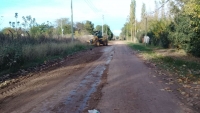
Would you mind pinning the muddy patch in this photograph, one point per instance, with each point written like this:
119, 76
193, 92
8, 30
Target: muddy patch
96, 96
36, 85
77, 99
88, 93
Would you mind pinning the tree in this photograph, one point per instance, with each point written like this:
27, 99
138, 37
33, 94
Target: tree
143, 13
186, 31
163, 8
181, 28
106, 30
41, 30
79, 27
67, 29
143, 17
9, 32
132, 17
89, 27
125, 31
98, 28
16, 16
28, 22
156, 11
159, 32
65, 24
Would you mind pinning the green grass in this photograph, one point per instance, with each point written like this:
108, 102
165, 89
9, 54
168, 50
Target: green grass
180, 67
140, 47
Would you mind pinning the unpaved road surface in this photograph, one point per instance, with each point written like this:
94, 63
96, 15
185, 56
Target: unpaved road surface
133, 87
108, 78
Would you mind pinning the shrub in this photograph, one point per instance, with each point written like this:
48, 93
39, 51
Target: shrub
18, 52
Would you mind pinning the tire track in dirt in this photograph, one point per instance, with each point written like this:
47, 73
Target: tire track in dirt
26, 92
78, 98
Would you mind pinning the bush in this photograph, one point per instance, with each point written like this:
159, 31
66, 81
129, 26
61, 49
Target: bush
19, 52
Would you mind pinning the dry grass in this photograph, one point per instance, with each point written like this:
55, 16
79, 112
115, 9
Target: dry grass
175, 61
177, 54
19, 53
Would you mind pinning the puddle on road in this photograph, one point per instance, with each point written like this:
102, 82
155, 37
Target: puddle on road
78, 98
92, 89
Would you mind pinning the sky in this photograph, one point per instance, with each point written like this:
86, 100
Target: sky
115, 11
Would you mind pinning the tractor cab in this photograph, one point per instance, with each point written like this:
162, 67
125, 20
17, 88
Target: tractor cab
98, 34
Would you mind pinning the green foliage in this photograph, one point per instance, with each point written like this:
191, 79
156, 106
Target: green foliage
159, 32
140, 47
41, 30
89, 27
181, 30
98, 28
65, 24
11, 56
67, 29
185, 30
128, 27
140, 35
132, 11
33, 44
143, 12
28, 22
106, 29
126, 31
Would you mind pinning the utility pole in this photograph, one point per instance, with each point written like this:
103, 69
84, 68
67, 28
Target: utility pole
72, 29
135, 21
127, 32
106, 30
131, 33
127, 28
102, 24
132, 27
146, 27
61, 27
135, 31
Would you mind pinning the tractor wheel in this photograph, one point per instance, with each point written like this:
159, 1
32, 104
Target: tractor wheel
98, 44
104, 43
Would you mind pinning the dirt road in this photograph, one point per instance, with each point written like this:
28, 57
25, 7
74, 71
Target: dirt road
109, 78
133, 87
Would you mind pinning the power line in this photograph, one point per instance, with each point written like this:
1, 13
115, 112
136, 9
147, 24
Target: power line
159, 7
91, 6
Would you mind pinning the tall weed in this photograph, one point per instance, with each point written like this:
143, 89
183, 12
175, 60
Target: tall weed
18, 52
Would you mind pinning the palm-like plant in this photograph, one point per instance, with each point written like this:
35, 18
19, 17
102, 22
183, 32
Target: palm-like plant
16, 16
13, 24
10, 24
